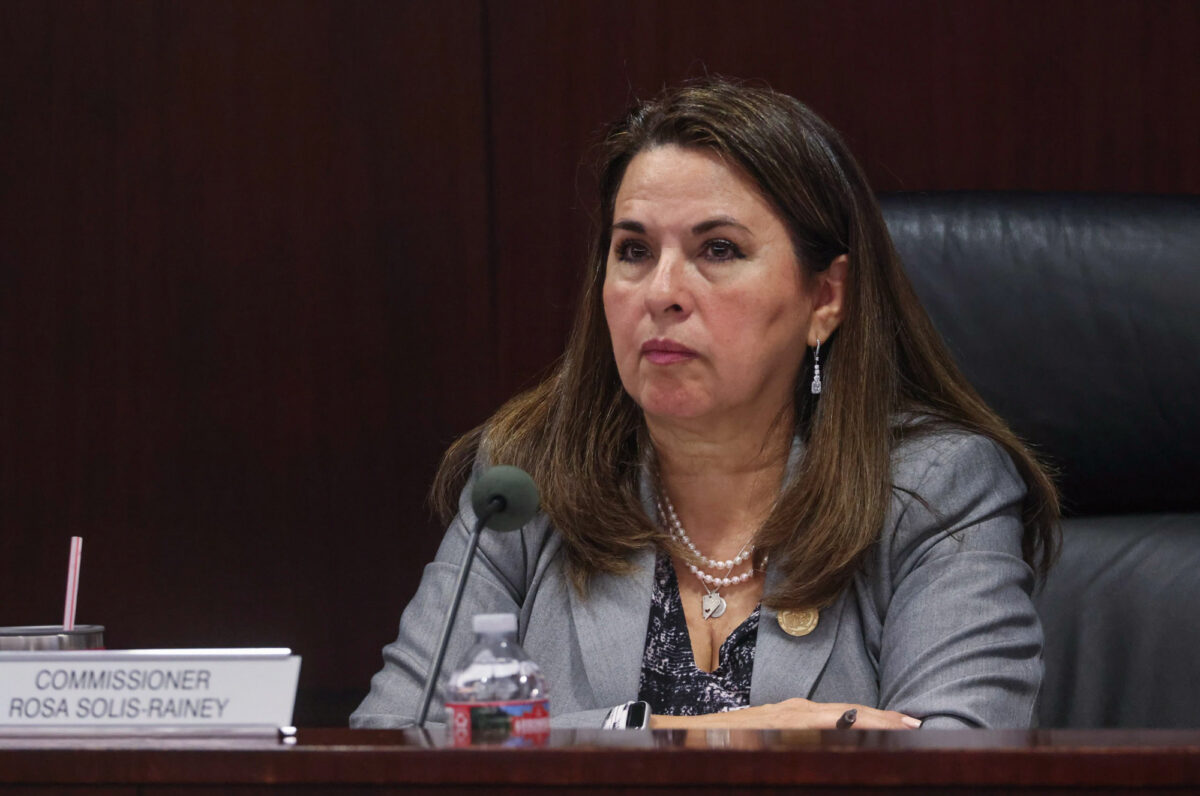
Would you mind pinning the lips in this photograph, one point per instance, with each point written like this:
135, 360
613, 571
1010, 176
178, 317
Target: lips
666, 352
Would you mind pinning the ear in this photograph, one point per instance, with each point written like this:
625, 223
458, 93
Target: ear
829, 292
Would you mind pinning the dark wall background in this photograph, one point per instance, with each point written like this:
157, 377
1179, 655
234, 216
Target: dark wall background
260, 262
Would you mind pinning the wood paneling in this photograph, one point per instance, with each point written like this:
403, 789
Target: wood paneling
742, 762
245, 290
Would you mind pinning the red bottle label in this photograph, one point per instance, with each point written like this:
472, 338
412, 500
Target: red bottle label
524, 723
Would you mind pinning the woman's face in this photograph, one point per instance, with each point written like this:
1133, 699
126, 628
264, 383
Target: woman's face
706, 305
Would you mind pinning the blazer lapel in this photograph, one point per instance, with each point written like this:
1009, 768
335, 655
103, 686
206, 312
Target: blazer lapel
788, 666
611, 626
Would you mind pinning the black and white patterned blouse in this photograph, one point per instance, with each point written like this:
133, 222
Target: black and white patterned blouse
671, 681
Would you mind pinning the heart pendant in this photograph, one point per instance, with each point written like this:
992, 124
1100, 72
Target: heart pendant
713, 605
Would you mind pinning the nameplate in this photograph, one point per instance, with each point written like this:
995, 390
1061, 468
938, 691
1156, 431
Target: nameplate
189, 689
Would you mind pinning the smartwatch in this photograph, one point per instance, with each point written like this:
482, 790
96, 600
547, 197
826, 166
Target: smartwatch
630, 716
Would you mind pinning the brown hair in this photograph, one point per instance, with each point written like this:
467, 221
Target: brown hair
583, 438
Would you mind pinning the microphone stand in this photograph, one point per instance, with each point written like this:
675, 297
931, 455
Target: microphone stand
496, 504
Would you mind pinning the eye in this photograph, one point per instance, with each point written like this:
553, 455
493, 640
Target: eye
722, 250
632, 250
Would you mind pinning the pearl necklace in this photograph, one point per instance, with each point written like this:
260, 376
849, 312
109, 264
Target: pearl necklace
712, 604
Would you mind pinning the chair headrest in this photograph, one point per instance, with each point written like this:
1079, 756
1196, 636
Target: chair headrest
1077, 316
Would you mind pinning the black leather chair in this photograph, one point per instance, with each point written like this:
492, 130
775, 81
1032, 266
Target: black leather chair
1077, 316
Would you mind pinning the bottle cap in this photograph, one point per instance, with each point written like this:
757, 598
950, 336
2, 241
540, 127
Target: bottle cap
494, 623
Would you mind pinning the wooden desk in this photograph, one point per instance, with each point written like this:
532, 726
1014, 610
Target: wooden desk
377, 762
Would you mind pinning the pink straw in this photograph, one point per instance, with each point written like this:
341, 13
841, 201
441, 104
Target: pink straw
72, 582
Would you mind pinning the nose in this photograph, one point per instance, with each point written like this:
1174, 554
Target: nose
667, 290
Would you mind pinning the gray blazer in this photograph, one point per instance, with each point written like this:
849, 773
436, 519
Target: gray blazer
937, 624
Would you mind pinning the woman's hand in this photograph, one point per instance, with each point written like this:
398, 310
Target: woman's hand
791, 714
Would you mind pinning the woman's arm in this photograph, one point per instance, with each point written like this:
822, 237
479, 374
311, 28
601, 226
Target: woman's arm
961, 642
495, 586
503, 577
791, 714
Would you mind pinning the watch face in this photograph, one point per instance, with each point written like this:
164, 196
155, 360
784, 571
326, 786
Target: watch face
639, 715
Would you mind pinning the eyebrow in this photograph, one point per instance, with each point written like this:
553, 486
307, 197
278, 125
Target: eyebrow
719, 221
704, 226
630, 226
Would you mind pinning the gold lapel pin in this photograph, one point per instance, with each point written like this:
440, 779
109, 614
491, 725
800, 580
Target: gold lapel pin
798, 621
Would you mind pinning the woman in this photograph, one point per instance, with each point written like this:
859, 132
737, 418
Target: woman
770, 499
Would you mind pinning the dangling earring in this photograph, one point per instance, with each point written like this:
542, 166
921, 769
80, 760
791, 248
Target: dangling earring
816, 382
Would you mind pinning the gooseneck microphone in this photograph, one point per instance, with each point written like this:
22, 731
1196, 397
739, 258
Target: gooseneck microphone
504, 499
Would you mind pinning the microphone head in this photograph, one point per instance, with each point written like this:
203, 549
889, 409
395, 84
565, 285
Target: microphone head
512, 485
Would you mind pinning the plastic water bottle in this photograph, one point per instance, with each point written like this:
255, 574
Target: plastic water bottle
497, 694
